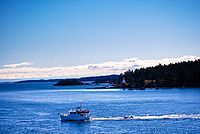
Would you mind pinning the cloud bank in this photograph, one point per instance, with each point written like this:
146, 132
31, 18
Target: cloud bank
24, 71
18, 64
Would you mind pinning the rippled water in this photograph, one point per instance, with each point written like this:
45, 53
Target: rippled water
34, 108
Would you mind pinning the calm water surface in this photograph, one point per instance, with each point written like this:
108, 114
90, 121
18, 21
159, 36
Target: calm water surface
34, 108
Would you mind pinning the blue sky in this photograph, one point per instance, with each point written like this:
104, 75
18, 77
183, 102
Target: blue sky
49, 33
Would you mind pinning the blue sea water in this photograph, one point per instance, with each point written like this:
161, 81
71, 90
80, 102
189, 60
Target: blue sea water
34, 108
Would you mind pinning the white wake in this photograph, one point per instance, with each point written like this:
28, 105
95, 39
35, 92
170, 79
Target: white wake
150, 117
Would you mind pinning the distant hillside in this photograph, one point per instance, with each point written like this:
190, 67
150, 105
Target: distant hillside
33, 81
184, 74
96, 79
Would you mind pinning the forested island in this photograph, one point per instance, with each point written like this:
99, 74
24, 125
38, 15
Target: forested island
184, 74
69, 82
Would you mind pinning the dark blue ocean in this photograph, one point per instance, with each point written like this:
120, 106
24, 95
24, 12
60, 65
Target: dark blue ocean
34, 108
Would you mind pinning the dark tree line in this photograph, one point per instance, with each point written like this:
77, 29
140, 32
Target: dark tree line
184, 74
102, 79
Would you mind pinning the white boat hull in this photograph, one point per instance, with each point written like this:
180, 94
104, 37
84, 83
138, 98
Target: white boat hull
74, 117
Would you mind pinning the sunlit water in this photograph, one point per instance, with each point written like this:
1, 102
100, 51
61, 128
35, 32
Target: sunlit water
34, 108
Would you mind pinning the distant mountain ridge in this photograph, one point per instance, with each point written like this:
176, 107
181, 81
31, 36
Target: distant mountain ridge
41, 80
100, 79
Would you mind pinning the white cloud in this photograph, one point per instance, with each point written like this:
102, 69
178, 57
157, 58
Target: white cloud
18, 64
21, 71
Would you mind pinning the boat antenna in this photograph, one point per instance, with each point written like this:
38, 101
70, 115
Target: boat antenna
80, 104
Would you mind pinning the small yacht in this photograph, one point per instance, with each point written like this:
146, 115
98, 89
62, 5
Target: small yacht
77, 114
